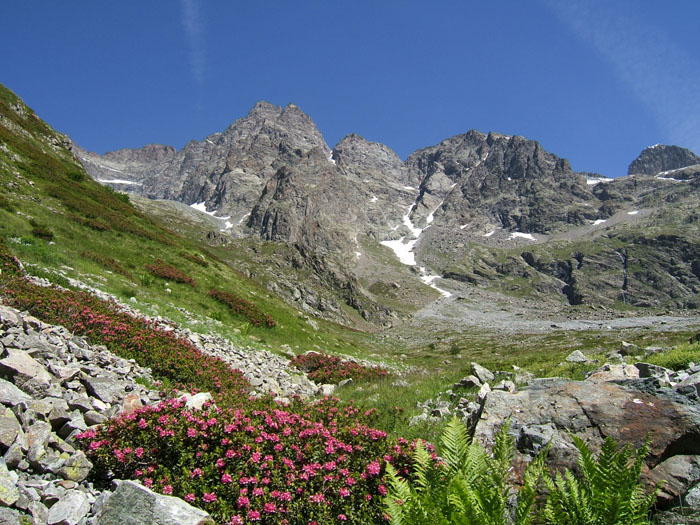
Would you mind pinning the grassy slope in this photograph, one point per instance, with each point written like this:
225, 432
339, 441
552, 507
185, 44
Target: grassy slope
42, 186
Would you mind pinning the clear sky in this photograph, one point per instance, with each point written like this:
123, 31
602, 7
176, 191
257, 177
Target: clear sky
592, 81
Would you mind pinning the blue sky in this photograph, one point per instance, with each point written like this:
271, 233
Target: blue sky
593, 81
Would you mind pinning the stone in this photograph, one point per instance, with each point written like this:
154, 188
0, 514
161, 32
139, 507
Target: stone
483, 392
468, 382
81, 403
76, 468
344, 382
12, 517
105, 389
131, 403
39, 512
20, 367
9, 493
92, 417
576, 357
505, 385
69, 510
679, 473
11, 395
196, 401
13, 456
483, 374
629, 348
38, 434
9, 428
327, 390
649, 370
132, 503
9, 316
617, 372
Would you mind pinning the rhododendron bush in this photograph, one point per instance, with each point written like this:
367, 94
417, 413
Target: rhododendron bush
265, 463
324, 368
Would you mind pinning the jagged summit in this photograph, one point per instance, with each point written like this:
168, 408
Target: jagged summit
659, 158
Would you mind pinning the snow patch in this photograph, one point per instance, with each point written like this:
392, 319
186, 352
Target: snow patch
592, 181
200, 206
358, 254
110, 169
635, 212
521, 235
598, 221
373, 199
463, 226
409, 188
227, 226
429, 280
119, 181
489, 234
403, 251
330, 158
210, 142
243, 218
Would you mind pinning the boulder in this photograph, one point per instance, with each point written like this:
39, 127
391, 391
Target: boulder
576, 357
483, 374
628, 412
69, 510
10, 395
470, 381
196, 401
19, 367
134, 504
679, 474
609, 372
8, 486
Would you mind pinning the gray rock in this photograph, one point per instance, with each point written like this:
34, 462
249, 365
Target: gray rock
69, 510
9, 316
76, 468
483, 393
468, 382
21, 368
483, 374
134, 504
505, 385
11, 395
649, 370
9, 493
609, 372
629, 348
327, 390
576, 357
13, 456
679, 474
9, 428
196, 401
12, 517
105, 389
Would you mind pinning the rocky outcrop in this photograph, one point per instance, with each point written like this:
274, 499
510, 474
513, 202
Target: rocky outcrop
613, 402
660, 158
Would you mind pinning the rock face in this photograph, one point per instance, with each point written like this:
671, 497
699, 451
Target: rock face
659, 158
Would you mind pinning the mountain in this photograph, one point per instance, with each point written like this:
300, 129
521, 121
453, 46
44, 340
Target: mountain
660, 158
483, 210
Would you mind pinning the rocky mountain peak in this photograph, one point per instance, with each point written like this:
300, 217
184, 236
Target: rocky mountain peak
659, 158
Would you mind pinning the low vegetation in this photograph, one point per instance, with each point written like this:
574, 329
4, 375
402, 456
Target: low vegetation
169, 273
471, 486
324, 368
243, 307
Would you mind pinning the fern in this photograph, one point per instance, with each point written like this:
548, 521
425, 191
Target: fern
472, 487
609, 491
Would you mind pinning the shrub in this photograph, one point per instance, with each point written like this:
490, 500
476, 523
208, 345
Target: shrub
258, 463
106, 262
324, 368
104, 323
42, 233
243, 307
197, 259
5, 204
165, 271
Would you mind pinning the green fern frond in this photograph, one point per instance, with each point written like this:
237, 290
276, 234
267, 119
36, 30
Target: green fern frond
455, 441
